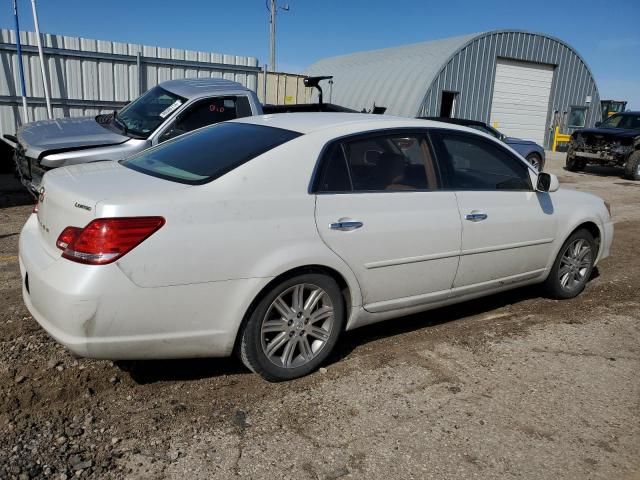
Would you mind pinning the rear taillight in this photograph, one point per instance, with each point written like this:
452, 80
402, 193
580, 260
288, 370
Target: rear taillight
67, 237
105, 240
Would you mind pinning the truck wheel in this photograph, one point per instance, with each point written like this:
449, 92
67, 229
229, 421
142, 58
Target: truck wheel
632, 167
572, 267
573, 164
293, 328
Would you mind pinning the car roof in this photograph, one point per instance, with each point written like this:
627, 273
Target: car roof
198, 87
314, 121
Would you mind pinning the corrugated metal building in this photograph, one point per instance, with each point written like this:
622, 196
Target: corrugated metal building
88, 76
521, 82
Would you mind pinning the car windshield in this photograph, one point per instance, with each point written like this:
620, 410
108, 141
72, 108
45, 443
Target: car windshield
208, 153
627, 121
142, 116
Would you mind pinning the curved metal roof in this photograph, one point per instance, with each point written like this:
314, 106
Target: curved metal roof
398, 77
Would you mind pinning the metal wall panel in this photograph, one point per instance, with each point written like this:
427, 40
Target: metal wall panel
284, 88
88, 76
572, 79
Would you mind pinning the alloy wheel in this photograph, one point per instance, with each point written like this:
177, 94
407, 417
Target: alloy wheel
297, 325
575, 264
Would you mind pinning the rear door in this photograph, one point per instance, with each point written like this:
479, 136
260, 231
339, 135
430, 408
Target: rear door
380, 207
507, 227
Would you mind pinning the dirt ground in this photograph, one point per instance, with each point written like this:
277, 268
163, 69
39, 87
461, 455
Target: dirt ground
510, 386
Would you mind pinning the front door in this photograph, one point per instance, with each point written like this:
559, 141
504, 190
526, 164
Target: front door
507, 227
381, 209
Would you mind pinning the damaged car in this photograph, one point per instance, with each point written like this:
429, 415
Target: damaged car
614, 142
163, 112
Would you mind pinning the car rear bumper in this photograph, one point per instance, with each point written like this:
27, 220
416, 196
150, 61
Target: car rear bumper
98, 312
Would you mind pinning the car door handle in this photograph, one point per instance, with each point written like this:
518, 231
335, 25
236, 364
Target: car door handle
476, 216
345, 225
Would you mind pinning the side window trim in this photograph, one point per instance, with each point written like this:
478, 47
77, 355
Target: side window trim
318, 171
445, 166
346, 165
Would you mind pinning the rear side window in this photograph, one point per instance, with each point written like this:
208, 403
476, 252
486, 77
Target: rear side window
208, 112
209, 153
474, 163
378, 163
213, 110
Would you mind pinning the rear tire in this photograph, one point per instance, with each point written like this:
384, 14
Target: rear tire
536, 161
572, 267
632, 167
293, 328
573, 164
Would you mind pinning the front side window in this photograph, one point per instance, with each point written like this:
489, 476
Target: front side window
146, 113
577, 117
208, 112
378, 163
206, 154
475, 163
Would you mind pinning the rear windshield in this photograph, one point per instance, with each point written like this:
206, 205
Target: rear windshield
206, 154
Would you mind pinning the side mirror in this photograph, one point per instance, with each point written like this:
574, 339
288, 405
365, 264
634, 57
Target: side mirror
547, 182
597, 124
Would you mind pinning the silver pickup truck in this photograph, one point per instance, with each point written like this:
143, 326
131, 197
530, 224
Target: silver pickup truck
163, 112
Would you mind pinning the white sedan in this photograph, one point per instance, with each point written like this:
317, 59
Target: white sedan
269, 236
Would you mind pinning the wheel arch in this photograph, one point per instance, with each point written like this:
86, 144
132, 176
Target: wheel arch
593, 228
348, 291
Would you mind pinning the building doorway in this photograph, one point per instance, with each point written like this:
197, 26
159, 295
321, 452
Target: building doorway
448, 104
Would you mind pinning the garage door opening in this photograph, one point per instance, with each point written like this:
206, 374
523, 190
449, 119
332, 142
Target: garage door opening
520, 102
448, 104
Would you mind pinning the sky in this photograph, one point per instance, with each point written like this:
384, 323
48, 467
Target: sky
606, 34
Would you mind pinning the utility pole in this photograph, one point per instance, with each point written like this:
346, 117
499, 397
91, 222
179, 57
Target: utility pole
273, 10
25, 112
45, 79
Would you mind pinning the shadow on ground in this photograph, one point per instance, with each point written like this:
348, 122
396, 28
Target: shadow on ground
13, 193
600, 171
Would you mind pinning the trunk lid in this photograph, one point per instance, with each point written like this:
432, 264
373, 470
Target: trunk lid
62, 134
69, 196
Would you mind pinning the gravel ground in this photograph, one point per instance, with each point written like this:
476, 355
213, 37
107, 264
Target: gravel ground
510, 386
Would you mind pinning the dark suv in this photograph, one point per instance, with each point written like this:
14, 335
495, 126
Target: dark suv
614, 142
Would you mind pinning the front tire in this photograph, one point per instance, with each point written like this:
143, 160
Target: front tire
632, 167
293, 328
536, 161
572, 267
